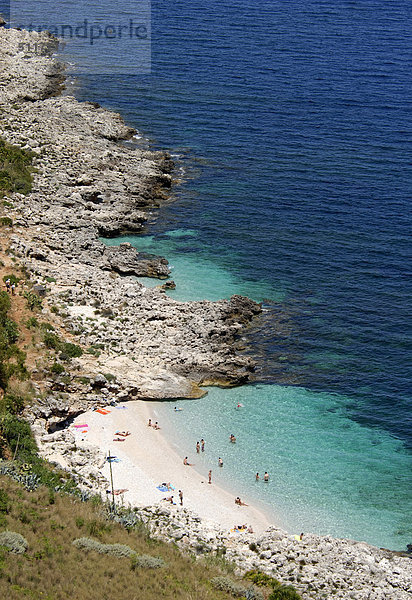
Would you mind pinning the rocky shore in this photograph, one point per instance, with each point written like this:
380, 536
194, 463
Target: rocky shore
89, 183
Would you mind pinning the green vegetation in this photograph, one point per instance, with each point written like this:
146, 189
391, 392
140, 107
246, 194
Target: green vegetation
57, 369
11, 357
15, 169
67, 349
32, 323
279, 591
33, 300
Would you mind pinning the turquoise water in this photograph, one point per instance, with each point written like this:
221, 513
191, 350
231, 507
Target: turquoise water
195, 276
328, 474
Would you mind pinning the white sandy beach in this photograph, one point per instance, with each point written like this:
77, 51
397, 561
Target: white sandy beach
146, 459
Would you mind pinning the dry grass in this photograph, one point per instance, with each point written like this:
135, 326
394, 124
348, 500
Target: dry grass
53, 569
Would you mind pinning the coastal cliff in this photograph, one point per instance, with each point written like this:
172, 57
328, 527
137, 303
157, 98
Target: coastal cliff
88, 184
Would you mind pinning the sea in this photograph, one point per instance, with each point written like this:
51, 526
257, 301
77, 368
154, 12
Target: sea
289, 122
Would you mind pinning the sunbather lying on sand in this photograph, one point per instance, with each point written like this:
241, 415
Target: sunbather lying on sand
123, 433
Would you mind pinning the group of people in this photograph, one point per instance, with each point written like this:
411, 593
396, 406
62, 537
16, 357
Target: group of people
265, 477
171, 498
200, 446
10, 287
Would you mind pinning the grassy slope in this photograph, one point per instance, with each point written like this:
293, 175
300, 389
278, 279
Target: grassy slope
53, 569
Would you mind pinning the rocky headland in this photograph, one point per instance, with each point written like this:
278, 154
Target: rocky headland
89, 183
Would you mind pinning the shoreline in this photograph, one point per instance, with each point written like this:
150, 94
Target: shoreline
153, 347
148, 457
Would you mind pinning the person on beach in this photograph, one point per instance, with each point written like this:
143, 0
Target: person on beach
239, 502
210, 476
181, 497
197, 447
186, 462
13, 287
266, 477
156, 425
220, 462
149, 423
232, 438
7, 285
257, 477
301, 537
202, 443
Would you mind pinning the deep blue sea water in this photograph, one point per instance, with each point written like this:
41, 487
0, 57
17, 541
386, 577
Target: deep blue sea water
290, 122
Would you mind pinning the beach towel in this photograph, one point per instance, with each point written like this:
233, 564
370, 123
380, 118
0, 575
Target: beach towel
103, 411
117, 492
81, 426
121, 407
119, 439
164, 488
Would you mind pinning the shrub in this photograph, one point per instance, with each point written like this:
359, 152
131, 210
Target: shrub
32, 323
93, 351
225, 584
261, 579
14, 542
119, 551
71, 350
5, 304
15, 168
4, 502
13, 403
284, 592
280, 592
110, 377
33, 301
57, 368
11, 330
6, 221
85, 543
144, 561
51, 340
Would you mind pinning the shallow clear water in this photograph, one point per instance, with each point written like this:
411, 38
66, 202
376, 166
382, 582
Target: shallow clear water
290, 124
327, 473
